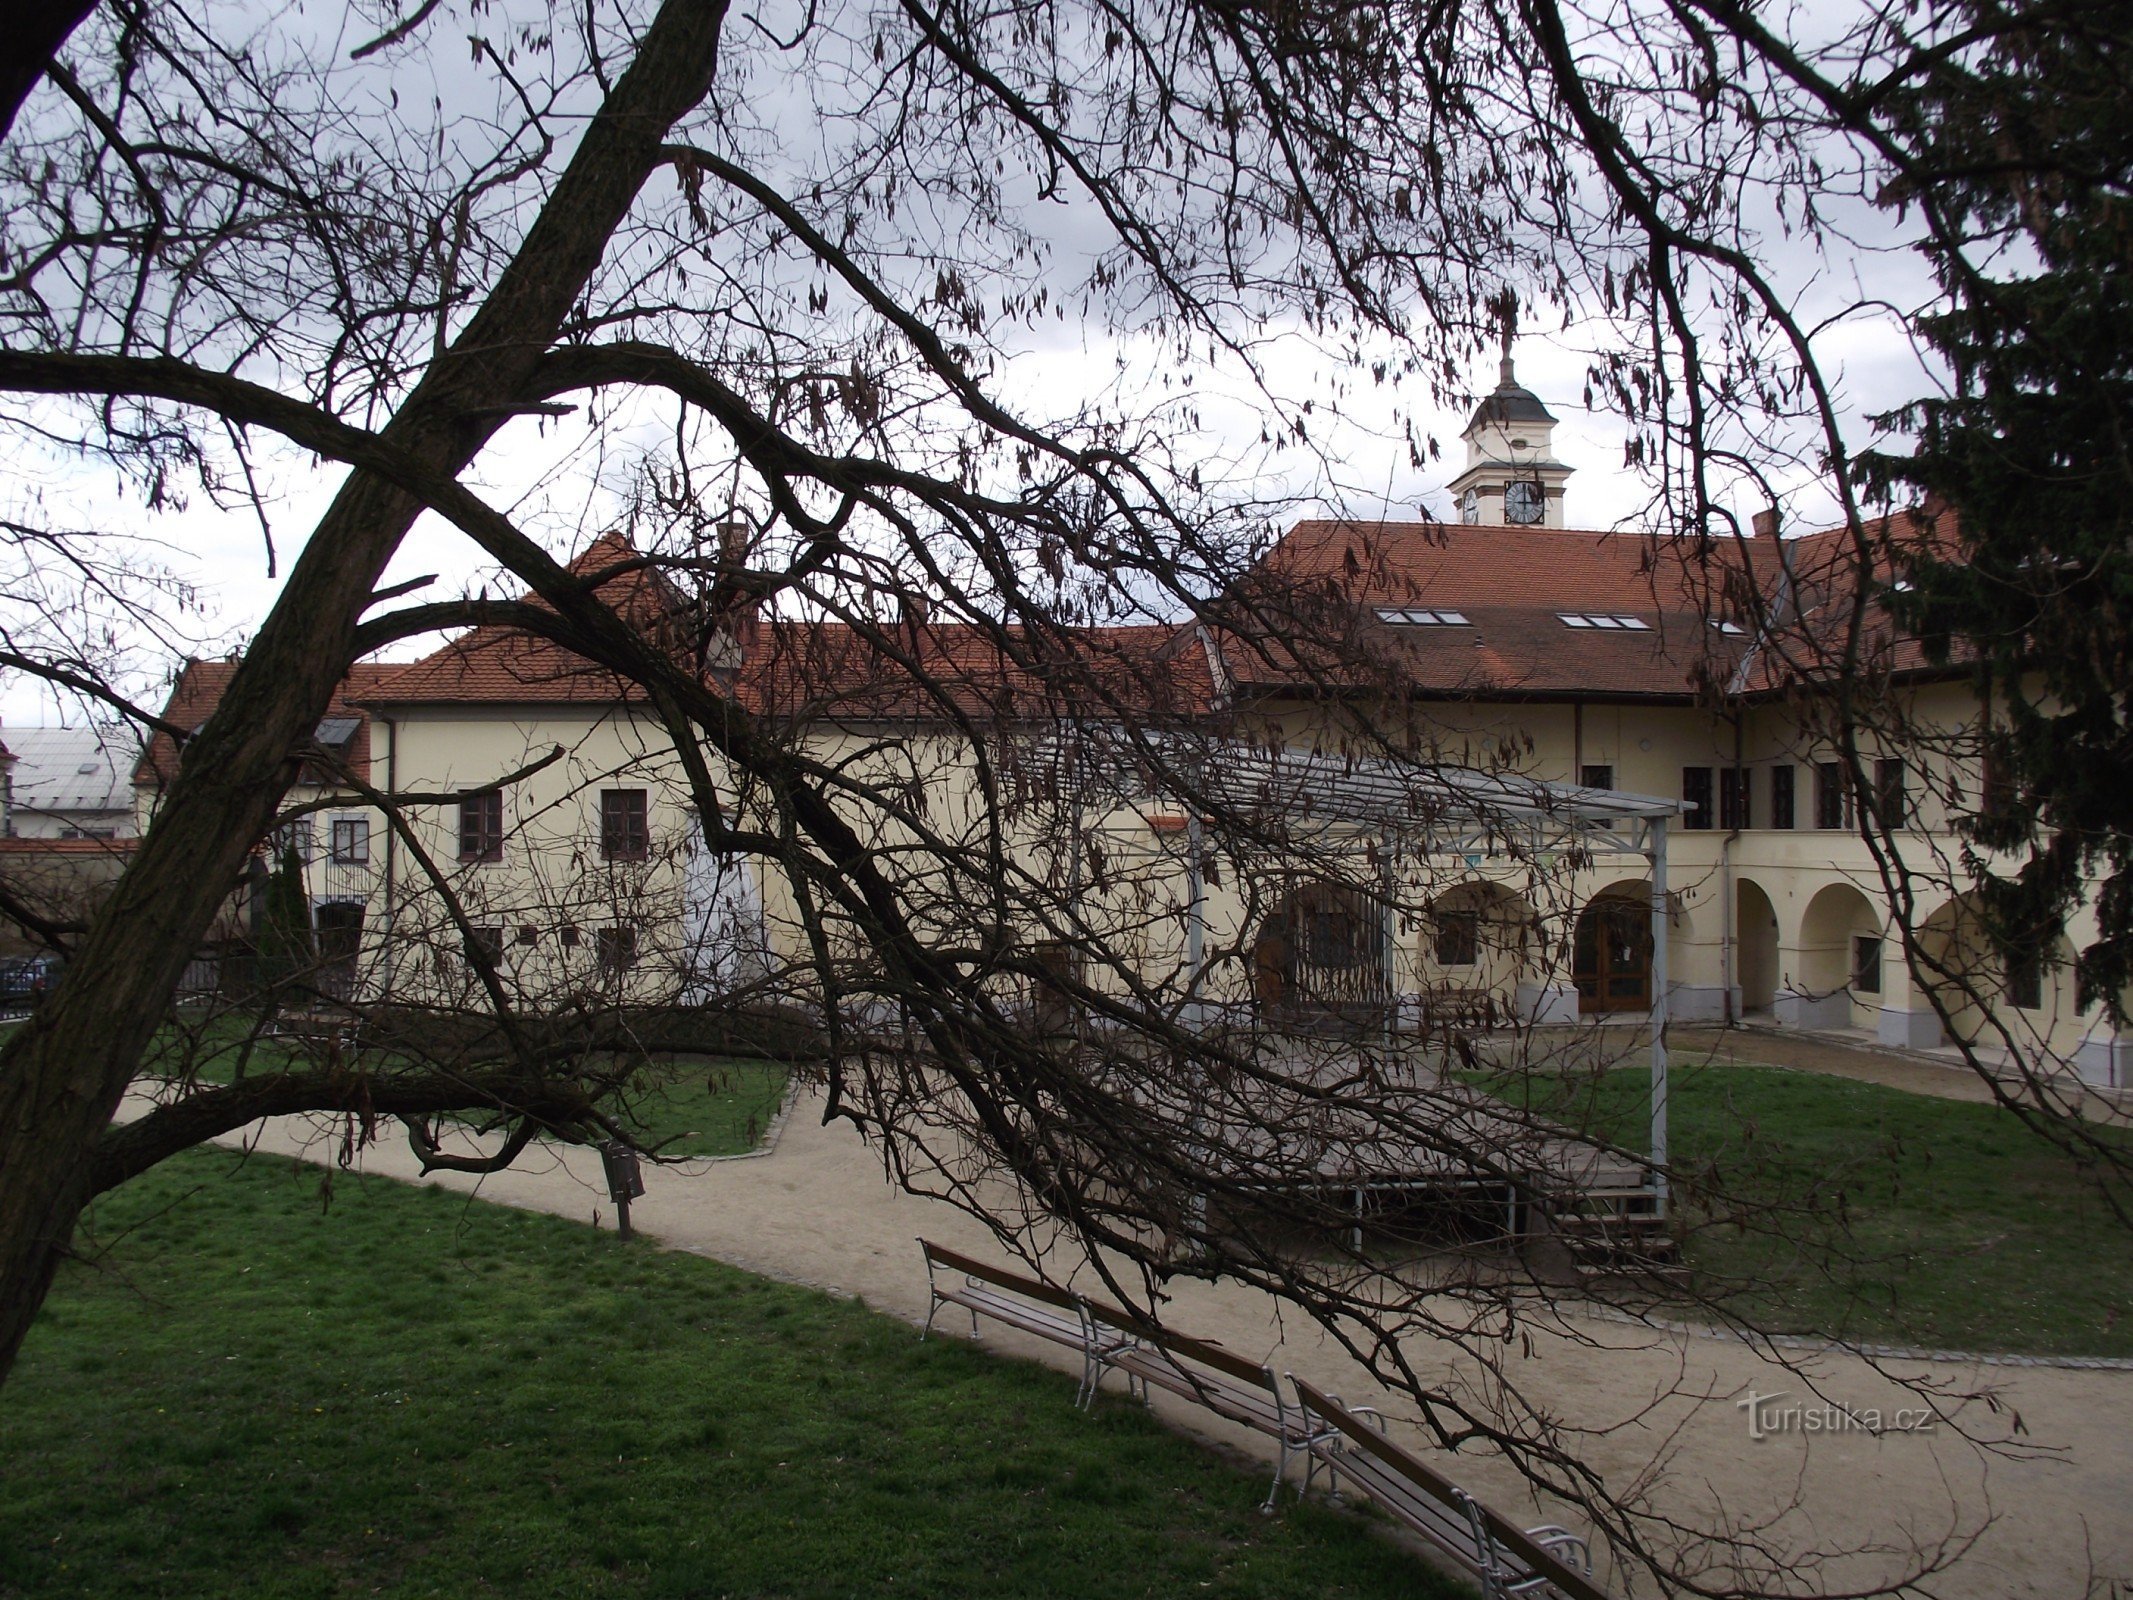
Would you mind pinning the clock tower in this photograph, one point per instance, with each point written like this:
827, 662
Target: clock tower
1511, 475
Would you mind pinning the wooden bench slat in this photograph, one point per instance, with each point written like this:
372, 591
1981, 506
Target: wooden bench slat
1449, 1532
1426, 1480
970, 1266
1252, 1405
1060, 1330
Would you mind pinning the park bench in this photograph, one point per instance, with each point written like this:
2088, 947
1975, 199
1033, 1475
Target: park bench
1448, 1007
1510, 1561
1030, 1305
1233, 1387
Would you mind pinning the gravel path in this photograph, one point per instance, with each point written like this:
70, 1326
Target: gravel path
2047, 1513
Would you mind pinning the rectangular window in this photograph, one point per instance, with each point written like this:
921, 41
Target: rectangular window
1736, 798
1781, 795
1995, 787
486, 940
1597, 777
1458, 938
1422, 617
617, 948
481, 827
1890, 802
625, 824
293, 836
351, 841
1833, 796
1696, 791
1866, 963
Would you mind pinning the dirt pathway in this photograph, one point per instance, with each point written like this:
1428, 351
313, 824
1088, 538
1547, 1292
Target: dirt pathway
1658, 1409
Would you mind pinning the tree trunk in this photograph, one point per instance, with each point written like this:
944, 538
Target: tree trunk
64, 1073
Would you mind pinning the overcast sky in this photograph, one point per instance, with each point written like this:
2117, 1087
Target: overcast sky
1362, 470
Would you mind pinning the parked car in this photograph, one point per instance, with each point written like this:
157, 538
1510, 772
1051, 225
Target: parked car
24, 980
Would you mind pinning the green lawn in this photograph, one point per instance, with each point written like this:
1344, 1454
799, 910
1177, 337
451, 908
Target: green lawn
701, 1107
409, 1393
1903, 1218
715, 1108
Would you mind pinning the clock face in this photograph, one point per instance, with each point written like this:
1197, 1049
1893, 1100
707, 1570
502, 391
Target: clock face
1524, 501
1470, 506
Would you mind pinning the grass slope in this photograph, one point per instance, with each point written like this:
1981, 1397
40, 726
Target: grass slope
408, 1393
1946, 1223
704, 1106
717, 1108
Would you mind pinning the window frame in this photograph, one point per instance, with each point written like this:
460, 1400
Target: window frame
356, 829
1457, 930
1699, 793
1736, 798
1833, 799
1891, 791
1784, 795
615, 948
481, 828
1866, 973
625, 824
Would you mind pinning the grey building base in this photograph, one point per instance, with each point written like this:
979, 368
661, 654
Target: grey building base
1795, 1010
1698, 1002
2105, 1063
1909, 1027
1544, 1003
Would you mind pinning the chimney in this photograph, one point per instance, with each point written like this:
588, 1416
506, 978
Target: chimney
914, 611
732, 543
1764, 524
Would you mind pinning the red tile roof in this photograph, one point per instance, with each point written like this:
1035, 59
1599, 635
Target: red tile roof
1309, 617
499, 665
200, 688
67, 847
1314, 607
795, 668
826, 671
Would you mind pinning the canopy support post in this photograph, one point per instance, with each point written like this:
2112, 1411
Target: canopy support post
1656, 834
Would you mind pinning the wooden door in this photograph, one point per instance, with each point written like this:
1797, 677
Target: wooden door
1611, 960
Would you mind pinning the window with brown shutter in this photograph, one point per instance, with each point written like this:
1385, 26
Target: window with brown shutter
625, 824
481, 827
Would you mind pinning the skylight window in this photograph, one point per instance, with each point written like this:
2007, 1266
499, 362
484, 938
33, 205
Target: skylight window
1730, 629
1604, 619
1423, 617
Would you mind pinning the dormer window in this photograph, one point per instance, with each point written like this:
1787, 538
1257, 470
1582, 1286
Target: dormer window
1422, 617
1605, 620
337, 733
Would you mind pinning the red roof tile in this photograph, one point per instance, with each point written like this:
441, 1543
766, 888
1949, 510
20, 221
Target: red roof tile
795, 668
67, 847
499, 665
802, 670
200, 688
1309, 617
1310, 614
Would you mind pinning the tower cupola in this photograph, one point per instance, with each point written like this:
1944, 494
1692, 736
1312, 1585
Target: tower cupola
1511, 475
